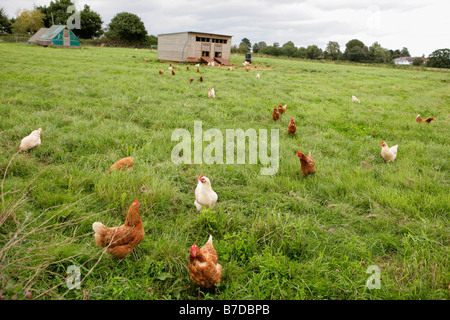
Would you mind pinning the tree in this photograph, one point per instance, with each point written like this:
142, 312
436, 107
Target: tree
28, 21
289, 44
333, 51
255, 48
245, 46
313, 52
356, 54
56, 12
5, 23
353, 43
388, 55
152, 40
90, 23
262, 45
301, 53
259, 47
273, 50
439, 59
404, 52
372, 48
376, 53
289, 49
126, 27
417, 62
395, 54
380, 55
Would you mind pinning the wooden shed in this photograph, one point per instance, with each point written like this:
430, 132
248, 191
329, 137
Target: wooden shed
191, 46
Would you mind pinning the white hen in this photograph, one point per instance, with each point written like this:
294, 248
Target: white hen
31, 141
355, 99
211, 93
388, 154
204, 194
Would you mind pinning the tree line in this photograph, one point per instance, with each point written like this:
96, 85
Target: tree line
355, 50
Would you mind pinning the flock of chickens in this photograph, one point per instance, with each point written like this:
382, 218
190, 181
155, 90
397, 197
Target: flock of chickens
307, 163
204, 269
211, 92
390, 153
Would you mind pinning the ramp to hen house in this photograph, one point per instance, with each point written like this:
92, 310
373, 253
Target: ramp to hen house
222, 61
208, 60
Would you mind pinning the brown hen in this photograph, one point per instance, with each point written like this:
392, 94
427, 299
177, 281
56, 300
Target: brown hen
121, 241
292, 128
275, 114
307, 163
122, 164
419, 119
204, 269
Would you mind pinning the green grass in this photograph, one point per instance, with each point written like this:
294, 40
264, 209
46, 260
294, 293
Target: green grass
277, 237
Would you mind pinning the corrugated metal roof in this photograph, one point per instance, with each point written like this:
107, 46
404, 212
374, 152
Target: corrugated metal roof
215, 34
52, 32
37, 35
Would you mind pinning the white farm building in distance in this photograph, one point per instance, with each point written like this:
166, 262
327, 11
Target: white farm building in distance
407, 61
194, 47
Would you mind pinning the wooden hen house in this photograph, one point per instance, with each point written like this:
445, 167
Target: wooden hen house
194, 47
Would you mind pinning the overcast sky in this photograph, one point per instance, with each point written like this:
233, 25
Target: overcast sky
420, 25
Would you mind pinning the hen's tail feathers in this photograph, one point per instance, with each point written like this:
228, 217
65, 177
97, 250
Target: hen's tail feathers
97, 227
198, 206
394, 148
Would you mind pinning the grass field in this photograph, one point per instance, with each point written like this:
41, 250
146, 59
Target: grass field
278, 237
